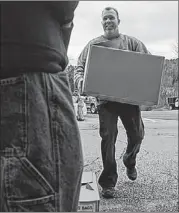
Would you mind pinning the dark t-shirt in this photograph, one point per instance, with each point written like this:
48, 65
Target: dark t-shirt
35, 36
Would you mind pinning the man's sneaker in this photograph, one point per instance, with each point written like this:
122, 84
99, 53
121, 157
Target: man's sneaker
108, 192
132, 173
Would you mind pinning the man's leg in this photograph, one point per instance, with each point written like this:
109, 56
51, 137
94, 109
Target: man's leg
131, 118
108, 131
40, 146
66, 141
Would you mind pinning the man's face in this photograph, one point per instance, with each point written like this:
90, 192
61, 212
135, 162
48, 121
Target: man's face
110, 21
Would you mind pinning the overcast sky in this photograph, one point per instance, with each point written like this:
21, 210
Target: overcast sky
155, 23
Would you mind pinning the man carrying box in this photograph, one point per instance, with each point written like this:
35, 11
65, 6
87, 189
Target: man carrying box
130, 115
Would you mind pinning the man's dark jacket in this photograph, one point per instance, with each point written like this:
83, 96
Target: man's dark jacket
35, 36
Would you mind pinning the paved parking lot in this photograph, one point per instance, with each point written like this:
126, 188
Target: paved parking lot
156, 188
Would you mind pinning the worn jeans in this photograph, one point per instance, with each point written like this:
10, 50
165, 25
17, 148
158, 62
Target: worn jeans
40, 146
130, 116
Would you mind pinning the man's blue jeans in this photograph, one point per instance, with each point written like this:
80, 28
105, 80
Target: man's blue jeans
40, 147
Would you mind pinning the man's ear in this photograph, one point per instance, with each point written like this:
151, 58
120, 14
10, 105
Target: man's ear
119, 21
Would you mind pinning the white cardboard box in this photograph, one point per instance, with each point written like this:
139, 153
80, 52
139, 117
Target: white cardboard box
123, 76
89, 195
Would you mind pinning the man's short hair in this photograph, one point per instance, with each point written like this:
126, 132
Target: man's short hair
111, 8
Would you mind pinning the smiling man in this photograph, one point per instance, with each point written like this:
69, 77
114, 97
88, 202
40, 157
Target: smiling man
110, 22
109, 112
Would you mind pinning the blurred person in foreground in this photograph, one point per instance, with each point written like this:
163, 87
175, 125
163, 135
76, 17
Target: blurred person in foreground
80, 109
109, 112
40, 147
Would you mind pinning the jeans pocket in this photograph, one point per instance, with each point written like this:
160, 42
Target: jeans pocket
13, 115
25, 186
42, 204
60, 79
60, 96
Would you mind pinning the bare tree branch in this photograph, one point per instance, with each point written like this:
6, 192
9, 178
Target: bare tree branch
175, 49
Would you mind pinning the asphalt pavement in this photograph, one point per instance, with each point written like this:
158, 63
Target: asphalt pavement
156, 188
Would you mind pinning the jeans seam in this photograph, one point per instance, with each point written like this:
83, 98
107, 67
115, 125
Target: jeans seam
7, 182
38, 177
1, 183
34, 201
55, 169
56, 154
25, 130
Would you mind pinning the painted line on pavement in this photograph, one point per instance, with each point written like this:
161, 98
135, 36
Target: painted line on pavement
148, 119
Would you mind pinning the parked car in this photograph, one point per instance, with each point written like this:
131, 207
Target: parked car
91, 104
173, 103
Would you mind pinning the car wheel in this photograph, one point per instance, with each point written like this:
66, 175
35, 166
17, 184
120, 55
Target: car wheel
93, 109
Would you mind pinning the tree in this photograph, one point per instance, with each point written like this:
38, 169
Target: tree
175, 49
70, 73
169, 84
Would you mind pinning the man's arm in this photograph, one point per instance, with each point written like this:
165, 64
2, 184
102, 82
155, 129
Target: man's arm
82, 61
79, 71
83, 56
140, 47
63, 12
